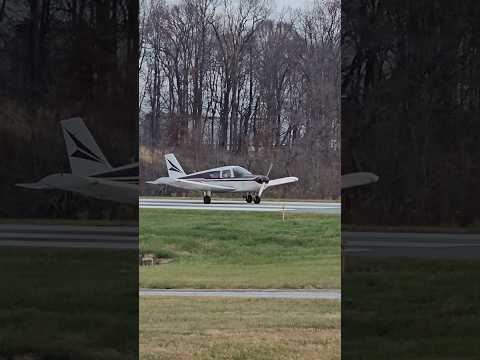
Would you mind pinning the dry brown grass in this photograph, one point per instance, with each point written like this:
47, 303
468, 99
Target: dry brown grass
237, 329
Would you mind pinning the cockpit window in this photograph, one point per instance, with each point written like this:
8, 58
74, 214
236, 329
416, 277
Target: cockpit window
212, 175
241, 172
226, 174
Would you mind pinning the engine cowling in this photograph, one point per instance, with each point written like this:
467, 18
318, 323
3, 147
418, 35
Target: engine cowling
261, 179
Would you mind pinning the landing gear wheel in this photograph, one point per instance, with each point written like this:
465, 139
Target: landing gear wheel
207, 199
256, 199
249, 198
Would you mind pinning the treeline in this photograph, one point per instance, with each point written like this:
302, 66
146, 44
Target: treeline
237, 82
60, 59
410, 111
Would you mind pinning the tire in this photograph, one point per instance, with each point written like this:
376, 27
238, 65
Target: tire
249, 198
207, 199
256, 199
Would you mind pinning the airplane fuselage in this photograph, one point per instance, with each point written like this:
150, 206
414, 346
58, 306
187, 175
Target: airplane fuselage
240, 180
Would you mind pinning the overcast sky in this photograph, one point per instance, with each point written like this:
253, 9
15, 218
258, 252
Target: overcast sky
295, 4
291, 3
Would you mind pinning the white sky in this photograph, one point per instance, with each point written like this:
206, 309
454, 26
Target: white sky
294, 4
291, 3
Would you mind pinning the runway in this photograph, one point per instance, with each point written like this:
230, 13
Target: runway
239, 205
413, 245
323, 294
68, 236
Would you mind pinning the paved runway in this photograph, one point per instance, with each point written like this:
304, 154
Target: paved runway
414, 245
323, 294
67, 236
239, 205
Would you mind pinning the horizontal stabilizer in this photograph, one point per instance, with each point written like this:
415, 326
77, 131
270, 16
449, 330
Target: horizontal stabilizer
358, 179
88, 186
34, 186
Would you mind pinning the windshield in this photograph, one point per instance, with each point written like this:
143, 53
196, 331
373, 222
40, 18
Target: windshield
241, 172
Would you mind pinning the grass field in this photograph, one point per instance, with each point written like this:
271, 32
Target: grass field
214, 249
68, 304
238, 329
410, 309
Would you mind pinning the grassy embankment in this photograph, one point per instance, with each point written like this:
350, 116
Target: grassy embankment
241, 329
68, 304
214, 249
411, 309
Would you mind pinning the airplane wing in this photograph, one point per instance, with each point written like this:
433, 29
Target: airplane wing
190, 185
281, 181
358, 179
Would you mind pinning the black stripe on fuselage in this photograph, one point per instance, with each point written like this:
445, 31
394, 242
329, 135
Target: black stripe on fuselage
128, 172
217, 179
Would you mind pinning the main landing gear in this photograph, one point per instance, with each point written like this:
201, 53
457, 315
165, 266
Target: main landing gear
207, 199
249, 198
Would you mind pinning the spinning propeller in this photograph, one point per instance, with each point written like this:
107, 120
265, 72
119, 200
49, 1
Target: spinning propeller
264, 180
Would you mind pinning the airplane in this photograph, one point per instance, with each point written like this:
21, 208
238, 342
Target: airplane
225, 179
358, 179
91, 173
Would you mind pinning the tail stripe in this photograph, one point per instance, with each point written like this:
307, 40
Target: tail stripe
84, 149
84, 154
173, 167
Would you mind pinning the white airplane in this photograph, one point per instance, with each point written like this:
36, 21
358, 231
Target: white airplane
91, 173
225, 179
358, 179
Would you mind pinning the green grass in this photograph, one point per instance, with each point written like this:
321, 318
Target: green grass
410, 309
214, 249
239, 329
68, 304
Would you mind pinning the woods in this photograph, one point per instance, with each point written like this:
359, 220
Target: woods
410, 108
61, 59
242, 82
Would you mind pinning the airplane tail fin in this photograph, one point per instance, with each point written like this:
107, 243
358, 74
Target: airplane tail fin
174, 168
84, 155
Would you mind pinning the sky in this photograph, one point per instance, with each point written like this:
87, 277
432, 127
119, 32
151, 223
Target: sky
291, 3
279, 3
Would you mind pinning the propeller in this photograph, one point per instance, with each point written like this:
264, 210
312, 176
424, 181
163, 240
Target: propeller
265, 181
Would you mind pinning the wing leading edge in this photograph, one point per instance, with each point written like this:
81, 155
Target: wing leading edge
281, 181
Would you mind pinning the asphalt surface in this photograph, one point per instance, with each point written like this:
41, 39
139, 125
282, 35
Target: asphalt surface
413, 245
67, 236
324, 294
239, 205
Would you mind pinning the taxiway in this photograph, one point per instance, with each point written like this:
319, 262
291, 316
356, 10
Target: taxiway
68, 236
414, 245
321, 294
